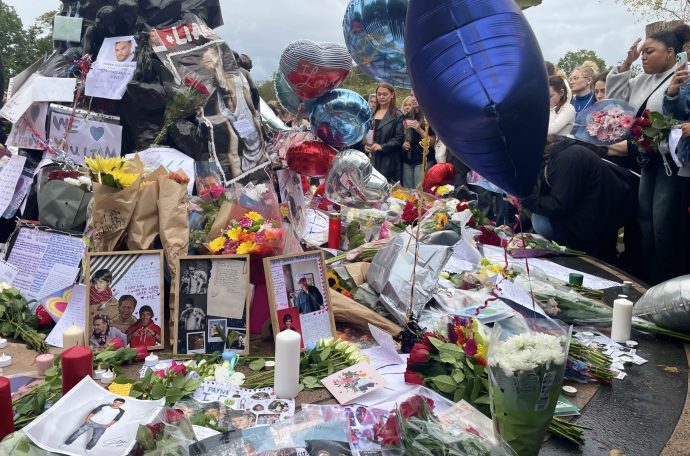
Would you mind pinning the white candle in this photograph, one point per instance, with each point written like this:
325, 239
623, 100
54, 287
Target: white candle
286, 374
151, 360
5, 360
98, 373
622, 320
107, 378
74, 335
3, 342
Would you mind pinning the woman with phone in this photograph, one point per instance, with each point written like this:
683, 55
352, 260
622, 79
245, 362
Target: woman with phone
661, 215
414, 125
387, 134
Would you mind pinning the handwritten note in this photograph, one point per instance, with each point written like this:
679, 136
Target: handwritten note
279, 292
9, 176
7, 272
36, 252
22, 134
386, 353
227, 291
109, 79
210, 391
59, 277
75, 315
87, 137
315, 326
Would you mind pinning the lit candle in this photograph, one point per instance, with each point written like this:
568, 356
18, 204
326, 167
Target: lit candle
5, 360
74, 335
622, 320
3, 342
44, 362
7, 420
107, 378
151, 360
98, 373
77, 363
286, 374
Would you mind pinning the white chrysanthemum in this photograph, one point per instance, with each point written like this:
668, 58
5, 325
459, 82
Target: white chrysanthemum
72, 181
526, 352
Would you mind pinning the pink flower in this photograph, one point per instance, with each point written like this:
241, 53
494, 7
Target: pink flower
627, 121
177, 369
245, 222
159, 373
471, 348
116, 343
260, 237
216, 191
142, 353
230, 247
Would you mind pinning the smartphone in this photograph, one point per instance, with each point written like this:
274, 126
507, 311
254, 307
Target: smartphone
681, 58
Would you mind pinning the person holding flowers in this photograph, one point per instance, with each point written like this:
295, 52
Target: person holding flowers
660, 187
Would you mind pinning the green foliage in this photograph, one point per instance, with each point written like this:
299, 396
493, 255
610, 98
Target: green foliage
660, 9
18, 322
573, 59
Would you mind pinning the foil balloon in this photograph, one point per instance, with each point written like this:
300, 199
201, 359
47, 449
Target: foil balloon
667, 304
311, 158
341, 118
288, 99
289, 138
354, 182
313, 69
374, 35
437, 175
269, 119
478, 75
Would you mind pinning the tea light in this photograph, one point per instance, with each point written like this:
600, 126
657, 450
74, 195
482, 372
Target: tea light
44, 362
151, 361
98, 373
3, 342
630, 343
160, 366
626, 360
5, 360
74, 335
270, 364
107, 377
569, 390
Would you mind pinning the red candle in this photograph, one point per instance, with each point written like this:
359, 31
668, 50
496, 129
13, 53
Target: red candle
334, 226
77, 363
6, 413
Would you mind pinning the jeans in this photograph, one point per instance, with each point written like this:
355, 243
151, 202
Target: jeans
98, 430
659, 206
411, 175
542, 226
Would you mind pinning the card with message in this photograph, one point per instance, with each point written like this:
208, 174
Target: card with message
353, 382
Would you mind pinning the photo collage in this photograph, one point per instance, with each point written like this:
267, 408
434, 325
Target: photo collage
299, 296
125, 299
212, 309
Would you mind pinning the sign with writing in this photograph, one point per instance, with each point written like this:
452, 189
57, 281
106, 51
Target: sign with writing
22, 134
87, 137
113, 70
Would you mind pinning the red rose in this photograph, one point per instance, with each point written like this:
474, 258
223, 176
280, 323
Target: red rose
471, 348
413, 377
44, 318
387, 433
427, 341
116, 343
488, 237
159, 373
196, 85
644, 123
636, 131
173, 416
177, 369
419, 354
462, 205
156, 429
416, 406
142, 353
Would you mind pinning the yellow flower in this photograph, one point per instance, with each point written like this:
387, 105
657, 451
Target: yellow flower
217, 244
124, 178
254, 216
246, 247
103, 165
444, 189
234, 233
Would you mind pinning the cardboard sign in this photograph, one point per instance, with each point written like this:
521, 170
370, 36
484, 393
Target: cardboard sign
87, 137
22, 135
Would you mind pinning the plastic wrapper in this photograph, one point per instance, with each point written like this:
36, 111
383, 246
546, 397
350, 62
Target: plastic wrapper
208, 181
170, 434
392, 269
474, 178
63, 206
360, 226
527, 359
667, 304
604, 123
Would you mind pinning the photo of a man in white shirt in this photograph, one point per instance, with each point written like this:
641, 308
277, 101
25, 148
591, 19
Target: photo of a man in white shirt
98, 421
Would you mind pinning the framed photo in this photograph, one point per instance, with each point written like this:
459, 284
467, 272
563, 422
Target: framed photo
212, 294
298, 296
124, 298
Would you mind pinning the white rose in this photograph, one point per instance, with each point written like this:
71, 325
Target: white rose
72, 181
4, 286
85, 180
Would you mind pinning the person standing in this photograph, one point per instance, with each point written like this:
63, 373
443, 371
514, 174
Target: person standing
414, 125
581, 84
98, 421
660, 186
309, 299
388, 134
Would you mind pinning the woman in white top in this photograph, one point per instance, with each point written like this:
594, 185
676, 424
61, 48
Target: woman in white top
562, 113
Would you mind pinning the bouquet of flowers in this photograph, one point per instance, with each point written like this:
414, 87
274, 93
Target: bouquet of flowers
527, 245
185, 99
526, 366
604, 123
651, 131
251, 234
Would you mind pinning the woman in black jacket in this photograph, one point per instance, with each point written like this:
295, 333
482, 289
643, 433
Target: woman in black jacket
388, 134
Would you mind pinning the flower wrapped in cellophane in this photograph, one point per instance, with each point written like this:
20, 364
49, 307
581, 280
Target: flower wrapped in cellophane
527, 359
604, 123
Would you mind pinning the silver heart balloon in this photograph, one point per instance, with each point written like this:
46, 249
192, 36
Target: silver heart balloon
354, 182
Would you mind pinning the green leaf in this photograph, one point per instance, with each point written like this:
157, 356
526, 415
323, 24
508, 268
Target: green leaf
257, 364
650, 131
478, 370
325, 354
310, 382
458, 376
438, 343
135, 394
158, 391
459, 394
2, 310
485, 399
51, 371
147, 376
448, 358
301, 387
178, 381
192, 385
5, 329
444, 383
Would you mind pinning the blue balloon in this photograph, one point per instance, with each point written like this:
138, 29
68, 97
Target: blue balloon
340, 118
374, 34
479, 76
288, 99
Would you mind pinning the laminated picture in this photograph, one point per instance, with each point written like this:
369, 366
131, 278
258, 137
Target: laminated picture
125, 299
212, 304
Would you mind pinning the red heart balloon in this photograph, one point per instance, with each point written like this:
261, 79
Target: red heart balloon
438, 175
311, 158
313, 69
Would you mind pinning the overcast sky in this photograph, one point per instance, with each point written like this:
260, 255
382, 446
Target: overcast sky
262, 28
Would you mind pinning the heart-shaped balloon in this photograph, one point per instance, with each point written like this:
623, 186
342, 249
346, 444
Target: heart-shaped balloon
340, 118
311, 158
354, 182
288, 99
313, 69
289, 138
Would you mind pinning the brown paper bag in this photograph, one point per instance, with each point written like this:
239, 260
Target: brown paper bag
173, 221
112, 211
353, 313
143, 227
221, 221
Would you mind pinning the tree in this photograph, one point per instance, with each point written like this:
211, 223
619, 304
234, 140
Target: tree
573, 59
660, 9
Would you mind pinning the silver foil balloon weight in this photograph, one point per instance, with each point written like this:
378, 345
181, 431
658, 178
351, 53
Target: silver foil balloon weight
354, 182
667, 304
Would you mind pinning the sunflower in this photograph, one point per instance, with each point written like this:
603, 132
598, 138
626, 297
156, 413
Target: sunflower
333, 280
217, 244
246, 247
234, 233
123, 178
103, 165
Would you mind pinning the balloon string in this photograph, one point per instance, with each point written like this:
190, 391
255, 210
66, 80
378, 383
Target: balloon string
425, 143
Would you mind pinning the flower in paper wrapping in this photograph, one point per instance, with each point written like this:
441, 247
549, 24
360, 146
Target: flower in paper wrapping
246, 237
124, 178
230, 246
419, 354
103, 165
261, 237
245, 222
217, 244
246, 247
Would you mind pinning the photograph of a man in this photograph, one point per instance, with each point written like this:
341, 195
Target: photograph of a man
98, 421
309, 298
193, 317
124, 318
123, 51
103, 332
